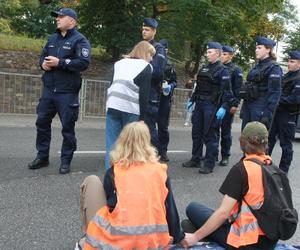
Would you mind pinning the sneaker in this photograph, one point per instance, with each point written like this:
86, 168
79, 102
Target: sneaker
191, 164
187, 226
79, 244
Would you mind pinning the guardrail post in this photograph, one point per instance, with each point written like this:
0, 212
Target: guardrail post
82, 97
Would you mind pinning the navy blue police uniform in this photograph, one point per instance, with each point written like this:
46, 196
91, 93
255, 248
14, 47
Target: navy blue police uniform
226, 125
212, 93
284, 123
261, 91
60, 93
164, 108
158, 63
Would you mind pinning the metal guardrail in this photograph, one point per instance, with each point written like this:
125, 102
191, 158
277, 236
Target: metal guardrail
20, 93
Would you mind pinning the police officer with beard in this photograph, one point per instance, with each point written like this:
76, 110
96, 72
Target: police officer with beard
64, 57
212, 97
164, 110
284, 123
236, 83
158, 64
261, 91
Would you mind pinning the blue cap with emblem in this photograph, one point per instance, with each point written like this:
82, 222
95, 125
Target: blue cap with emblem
261, 40
150, 22
214, 45
294, 55
64, 12
227, 48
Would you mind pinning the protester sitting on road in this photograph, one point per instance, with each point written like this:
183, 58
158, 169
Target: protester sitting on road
233, 225
128, 94
135, 204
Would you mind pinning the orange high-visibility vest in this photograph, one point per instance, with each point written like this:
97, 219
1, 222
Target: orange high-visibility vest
139, 219
245, 229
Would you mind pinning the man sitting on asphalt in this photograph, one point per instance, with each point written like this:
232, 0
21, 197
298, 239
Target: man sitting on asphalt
233, 225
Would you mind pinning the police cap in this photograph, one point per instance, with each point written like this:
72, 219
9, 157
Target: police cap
294, 55
261, 40
150, 22
164, 43
255, 132
64, 12
227, 48
214, 45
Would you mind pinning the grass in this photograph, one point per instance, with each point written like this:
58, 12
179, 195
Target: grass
23, 43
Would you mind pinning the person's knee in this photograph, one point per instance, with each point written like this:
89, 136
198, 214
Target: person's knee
92, 180
191, 208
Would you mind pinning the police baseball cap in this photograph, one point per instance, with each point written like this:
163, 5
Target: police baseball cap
294, 55
64, 12
261, 40
255, 132
214, 45
164, 43
150, 22
227, 48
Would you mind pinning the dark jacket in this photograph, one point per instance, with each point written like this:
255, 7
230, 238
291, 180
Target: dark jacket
73, 51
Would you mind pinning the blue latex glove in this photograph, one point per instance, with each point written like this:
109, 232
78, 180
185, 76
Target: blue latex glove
189, 107
221, 113
167, 90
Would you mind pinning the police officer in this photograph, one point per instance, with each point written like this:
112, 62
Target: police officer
284, 123
212, 96
65, 55
158, 64
164, 109
236, 82
261, 91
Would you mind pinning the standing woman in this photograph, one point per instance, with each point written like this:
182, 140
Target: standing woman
262, 89
128, 94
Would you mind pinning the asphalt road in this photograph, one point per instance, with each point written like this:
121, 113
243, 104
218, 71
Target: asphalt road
39, 209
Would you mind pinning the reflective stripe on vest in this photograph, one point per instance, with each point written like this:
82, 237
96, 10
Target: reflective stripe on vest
245, 229
92, 243
129, 230
138, 220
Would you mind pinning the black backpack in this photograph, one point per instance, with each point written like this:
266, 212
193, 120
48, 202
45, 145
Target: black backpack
276, 217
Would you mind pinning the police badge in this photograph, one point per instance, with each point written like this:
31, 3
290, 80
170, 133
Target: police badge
85, 52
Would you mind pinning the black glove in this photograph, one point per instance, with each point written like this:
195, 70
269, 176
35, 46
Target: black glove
266, 121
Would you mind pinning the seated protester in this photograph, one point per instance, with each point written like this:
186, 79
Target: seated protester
233, 225
135, 204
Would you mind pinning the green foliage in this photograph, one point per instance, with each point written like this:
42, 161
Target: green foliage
4, 26
34, 19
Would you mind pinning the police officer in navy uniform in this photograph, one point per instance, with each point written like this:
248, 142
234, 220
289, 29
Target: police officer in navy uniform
236, 83
212, 97
284, 123
65, 55
164, 109
261, 91
158, 63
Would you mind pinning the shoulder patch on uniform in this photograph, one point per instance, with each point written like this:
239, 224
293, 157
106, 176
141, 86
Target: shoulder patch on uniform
85, 52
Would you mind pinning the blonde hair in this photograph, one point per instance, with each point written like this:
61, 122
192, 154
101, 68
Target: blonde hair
142, 50
133, 146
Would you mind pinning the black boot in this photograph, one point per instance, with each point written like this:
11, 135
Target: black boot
191, 164
224, 161
38, 163
64, 168
163, 157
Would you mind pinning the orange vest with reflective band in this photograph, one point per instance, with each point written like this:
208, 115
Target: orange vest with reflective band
139, 219
245, 229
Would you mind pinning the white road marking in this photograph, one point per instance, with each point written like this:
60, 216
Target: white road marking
103, 152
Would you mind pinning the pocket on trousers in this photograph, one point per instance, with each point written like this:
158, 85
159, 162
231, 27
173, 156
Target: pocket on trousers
74, 109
